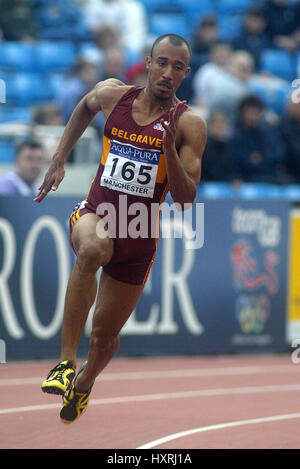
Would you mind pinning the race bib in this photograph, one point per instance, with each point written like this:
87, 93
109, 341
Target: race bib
130, 169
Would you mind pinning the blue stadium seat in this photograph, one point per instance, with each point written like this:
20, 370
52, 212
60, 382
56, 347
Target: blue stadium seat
195, 10
7, 151
259, 191
279, 62
292, 192
163, 23
205, 7
15, 114
61, 21
16, 56
56, 81
216, 190
159, 5
23, 89
233, 6
230, 27
274, 98
54, 55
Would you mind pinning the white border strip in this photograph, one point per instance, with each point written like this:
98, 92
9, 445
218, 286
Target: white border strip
166, 396
221, 426
190, 373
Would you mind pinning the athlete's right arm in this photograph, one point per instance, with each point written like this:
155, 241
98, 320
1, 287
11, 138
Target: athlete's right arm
83, 114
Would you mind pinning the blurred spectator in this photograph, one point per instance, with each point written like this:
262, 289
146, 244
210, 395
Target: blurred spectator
30, 162
47, 114
283, 23
205, 77
105, 38
120, 14
17, 21
114, 65
253, 38
257, 146
218, 163
290, 128
204, 38
230, 85
137, 74
83, 78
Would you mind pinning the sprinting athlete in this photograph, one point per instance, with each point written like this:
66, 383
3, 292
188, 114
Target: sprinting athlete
153, 143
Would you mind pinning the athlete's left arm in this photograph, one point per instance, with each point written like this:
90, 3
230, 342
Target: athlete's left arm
184, 165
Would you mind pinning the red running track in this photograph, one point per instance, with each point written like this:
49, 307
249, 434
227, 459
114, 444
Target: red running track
249, 402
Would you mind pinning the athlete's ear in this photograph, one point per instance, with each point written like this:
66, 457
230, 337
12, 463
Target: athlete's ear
148, 62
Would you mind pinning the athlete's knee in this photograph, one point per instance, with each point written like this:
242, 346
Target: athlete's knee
91, 255
103, 344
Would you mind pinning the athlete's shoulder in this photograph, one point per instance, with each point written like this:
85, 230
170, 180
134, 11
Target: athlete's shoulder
190, 121
110, 87
106, 93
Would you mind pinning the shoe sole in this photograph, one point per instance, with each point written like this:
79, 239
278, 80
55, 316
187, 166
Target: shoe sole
53, 390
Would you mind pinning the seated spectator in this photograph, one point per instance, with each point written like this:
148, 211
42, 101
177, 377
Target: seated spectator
47, 114
137, 74
121, 14
230, 85
83, 78
114, 65
205, 78
105, 38
218, 163
283, 26
257, 146
204, 38
17, 20
290, 128
30, 162
253, 38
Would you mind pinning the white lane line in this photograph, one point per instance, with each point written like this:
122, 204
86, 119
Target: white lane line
221, 426
166, 396
142, 375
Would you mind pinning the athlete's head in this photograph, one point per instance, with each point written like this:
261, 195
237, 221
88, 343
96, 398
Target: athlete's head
168, 65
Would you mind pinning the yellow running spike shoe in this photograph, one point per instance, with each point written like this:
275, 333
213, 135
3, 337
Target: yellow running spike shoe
75, 402
59, 379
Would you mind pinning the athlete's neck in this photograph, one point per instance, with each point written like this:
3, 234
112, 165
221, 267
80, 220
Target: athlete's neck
155, 104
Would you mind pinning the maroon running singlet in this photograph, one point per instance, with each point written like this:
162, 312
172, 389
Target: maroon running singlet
132, 178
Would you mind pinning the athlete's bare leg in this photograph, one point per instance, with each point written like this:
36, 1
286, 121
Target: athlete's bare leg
115, 302
92, 252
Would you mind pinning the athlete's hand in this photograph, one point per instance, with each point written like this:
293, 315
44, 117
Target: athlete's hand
52, 179
170, 128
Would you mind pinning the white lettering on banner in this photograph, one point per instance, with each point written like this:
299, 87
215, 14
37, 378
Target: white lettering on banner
2, 351
171, 281
27, 292
6, 304
252, 221
177, 281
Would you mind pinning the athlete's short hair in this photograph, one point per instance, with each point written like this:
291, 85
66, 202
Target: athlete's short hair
175, 39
